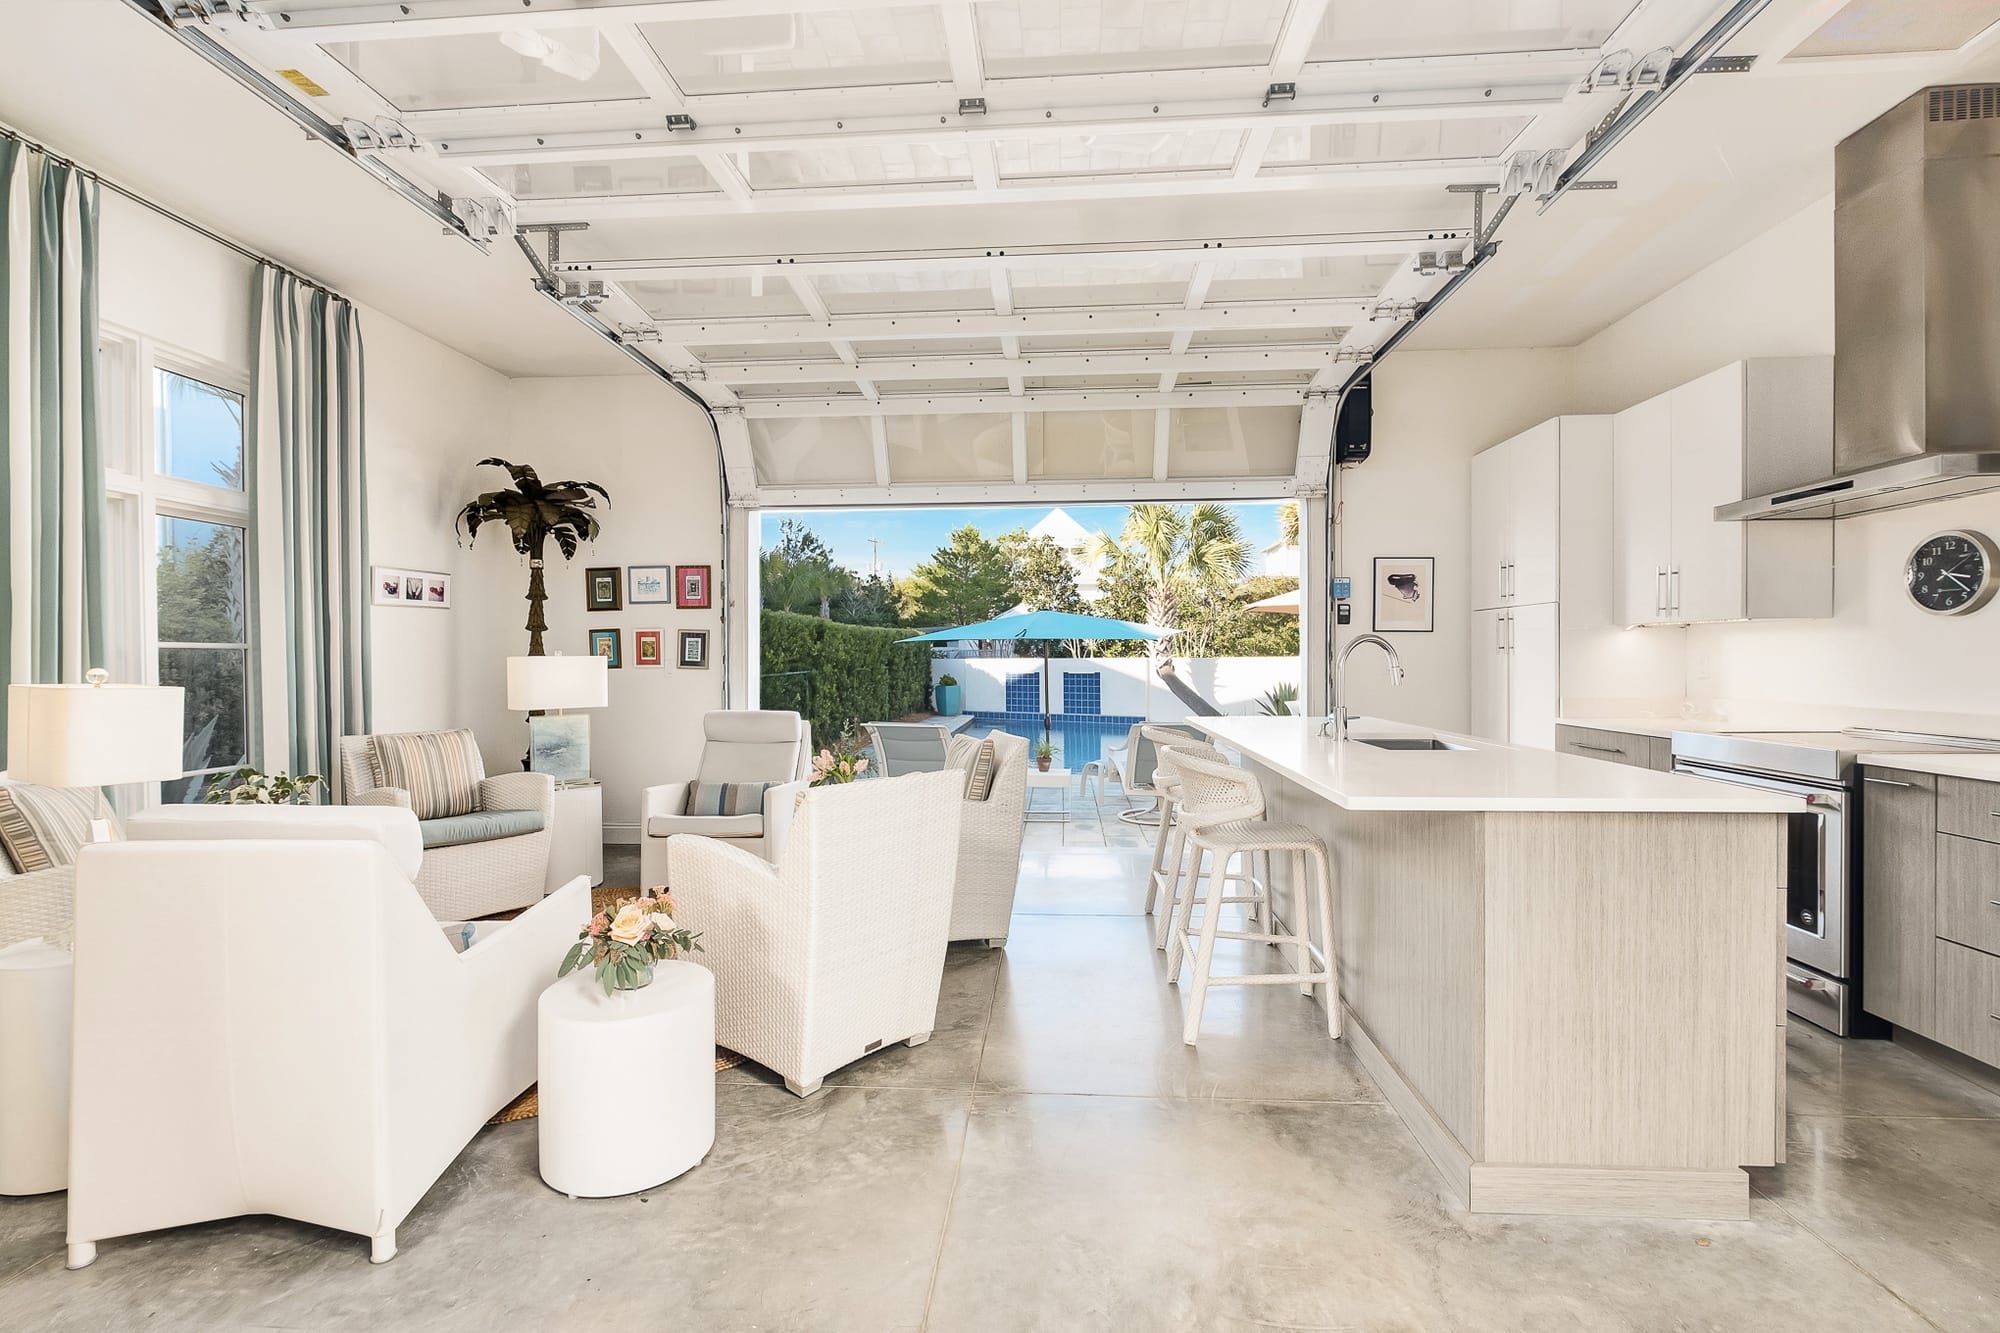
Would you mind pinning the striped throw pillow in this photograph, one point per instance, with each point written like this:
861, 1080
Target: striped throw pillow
979, 781
43, 827
441, 770
726, 798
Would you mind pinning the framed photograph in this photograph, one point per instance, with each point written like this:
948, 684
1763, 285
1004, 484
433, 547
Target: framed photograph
646, 648
690, 586
410, 587
694, 648
649, 583
1405, 595
601, 591
605, 643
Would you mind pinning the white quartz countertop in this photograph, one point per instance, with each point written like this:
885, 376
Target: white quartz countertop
1651, 726
1483, 776
1960, 764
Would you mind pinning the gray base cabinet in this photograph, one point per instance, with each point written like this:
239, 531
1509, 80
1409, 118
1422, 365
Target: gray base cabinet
1930, 884
1632, 749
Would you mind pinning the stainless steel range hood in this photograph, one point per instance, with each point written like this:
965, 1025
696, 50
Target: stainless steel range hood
1916, 378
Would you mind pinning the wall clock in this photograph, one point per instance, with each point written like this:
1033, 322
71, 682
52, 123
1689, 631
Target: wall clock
1954, 573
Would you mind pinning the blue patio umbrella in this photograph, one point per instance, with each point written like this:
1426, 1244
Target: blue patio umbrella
1048, 627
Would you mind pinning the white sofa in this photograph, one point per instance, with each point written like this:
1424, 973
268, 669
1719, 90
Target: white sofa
838, 950
744, 745
989, 839
278, 1025
494, 859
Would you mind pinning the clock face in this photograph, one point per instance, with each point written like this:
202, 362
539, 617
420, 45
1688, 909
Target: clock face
1953, 573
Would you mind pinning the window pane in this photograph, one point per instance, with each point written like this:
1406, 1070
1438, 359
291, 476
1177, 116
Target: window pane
201, 585
216, 681
200, 430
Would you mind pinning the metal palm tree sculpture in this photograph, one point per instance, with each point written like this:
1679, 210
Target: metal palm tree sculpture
534, 511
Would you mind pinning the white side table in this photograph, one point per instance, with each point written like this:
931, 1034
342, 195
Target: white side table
627, 1080
578, 845
34, 1068
1055, 779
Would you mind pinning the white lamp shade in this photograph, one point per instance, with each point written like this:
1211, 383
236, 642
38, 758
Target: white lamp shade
94, 735
557, 682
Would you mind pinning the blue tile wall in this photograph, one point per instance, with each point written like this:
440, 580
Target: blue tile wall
1083, 693
1024, 692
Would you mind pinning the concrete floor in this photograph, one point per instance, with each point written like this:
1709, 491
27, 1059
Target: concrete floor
1056, 1159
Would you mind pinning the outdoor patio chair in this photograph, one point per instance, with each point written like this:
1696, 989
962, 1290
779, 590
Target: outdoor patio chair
908, 747
1132, 764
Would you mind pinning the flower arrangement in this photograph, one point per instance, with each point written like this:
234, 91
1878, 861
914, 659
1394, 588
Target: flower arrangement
624, 941
831, 766
247, 786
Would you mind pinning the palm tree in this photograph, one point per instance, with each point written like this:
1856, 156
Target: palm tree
1288, 522
535, 511
1177, 556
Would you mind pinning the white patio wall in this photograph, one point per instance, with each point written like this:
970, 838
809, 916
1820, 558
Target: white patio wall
1129, 688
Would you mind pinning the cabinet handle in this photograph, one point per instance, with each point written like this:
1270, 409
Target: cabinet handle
1500, 634
1675, 595
1660, 592
1885, 782
1513, 586
1597, 749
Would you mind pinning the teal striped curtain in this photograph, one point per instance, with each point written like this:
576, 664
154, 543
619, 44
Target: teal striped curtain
306, 400
52, 509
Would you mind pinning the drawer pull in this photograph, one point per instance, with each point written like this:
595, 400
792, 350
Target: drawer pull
1885, 782
1597, 749
1993, 902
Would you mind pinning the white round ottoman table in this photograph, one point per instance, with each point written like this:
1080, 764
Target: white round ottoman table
627, 1080
34, 1068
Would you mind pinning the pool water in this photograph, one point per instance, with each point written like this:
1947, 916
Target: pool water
1078, 740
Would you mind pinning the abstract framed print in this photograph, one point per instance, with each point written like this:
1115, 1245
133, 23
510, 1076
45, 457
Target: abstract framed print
388, 584
690, 586
649, 583
606, 643
694, 648
1405, 595
646, 648
601, 590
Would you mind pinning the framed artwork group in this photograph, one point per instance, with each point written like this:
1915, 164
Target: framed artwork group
411, 587
683, 587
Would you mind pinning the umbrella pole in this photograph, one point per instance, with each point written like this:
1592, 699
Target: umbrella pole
1045, 694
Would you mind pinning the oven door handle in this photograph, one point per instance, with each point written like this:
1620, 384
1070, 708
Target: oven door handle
1830, 799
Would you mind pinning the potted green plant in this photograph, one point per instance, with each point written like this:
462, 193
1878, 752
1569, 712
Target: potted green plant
248, 786
947, 695
532, 512
1045, 754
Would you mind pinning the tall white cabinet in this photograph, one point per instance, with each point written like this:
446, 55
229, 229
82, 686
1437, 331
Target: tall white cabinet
1750, 427
1541, 582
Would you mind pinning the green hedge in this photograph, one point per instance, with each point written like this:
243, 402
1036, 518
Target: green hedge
852, 673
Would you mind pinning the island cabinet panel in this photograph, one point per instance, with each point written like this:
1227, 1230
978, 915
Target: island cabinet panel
1591, 923
1898, 897
1968, 987
1969, 809
1968, 892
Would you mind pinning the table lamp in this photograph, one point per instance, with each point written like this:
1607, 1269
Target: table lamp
558, 745
94, 735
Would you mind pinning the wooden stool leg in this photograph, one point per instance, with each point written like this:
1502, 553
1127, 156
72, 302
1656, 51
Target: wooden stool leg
1204, 958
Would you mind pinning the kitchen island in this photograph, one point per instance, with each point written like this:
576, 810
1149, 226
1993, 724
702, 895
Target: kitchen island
1565, 975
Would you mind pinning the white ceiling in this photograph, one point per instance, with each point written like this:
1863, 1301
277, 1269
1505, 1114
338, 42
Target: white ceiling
1126, 246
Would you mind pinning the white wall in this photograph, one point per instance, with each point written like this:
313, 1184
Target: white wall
429, 411
653, 452
157, 278
1128, 687
1774, 297
1433, 412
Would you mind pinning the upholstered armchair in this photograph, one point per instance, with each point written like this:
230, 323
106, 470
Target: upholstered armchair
291, 1032
837, 950
741, 746
989, 837
37, 904
486, 840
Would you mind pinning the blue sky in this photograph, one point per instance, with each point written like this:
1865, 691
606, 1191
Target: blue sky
910, 535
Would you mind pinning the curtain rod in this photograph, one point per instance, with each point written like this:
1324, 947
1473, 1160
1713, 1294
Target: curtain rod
9, 132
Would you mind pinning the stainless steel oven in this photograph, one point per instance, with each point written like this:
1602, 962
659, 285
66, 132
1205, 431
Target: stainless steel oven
1819, 870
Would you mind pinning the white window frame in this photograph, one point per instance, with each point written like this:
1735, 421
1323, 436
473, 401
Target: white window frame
139, 495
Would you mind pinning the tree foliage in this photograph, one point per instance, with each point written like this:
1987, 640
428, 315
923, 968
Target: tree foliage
1041, 575
840, 676
970, 578
799, 573
1176, 567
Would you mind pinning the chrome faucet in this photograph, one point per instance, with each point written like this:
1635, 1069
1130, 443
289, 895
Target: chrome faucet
1337, 722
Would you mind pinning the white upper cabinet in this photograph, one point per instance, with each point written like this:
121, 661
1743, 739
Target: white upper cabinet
1748, 427
1516, 489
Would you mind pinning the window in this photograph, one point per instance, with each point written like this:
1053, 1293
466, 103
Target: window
182, 608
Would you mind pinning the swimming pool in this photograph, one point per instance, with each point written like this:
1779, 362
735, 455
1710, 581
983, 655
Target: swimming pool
1079, 740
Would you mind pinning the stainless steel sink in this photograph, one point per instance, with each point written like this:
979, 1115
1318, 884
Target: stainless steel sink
1407, 743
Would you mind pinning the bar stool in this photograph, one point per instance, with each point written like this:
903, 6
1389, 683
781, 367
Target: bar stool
1170, 844
1223, 808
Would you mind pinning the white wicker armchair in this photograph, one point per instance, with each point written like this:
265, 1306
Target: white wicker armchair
838, 950
470, 879
989, 840
739, 745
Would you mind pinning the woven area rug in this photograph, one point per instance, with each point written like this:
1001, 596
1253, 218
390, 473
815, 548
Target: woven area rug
526, 1106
